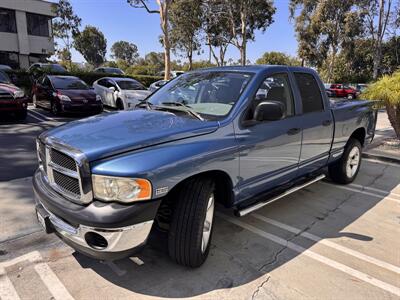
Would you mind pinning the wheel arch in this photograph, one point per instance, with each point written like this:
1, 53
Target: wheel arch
359, 134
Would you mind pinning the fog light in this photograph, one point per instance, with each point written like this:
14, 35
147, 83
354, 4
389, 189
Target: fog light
96, 241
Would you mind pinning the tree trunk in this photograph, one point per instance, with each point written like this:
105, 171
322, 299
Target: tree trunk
393, 112
378, 43
243, 55
190, 62
167, 47
332, 63
243, 19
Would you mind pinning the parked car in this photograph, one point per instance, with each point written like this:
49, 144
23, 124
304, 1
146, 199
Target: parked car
361, 87
173, 74
62, 94
343, 91
109, 70
119, 92
105, 183
12, 99
46, 67
329, 92
5, 68
156, 85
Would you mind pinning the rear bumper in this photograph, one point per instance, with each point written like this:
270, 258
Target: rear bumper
98, 230
13, 105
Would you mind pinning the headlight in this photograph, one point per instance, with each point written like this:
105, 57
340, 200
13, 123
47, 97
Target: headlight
98, 98
19, 94
62, 97
121, 189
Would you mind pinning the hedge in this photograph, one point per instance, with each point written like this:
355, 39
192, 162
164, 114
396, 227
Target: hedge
24, 79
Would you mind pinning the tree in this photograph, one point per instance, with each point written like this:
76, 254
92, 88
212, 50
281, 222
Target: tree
216, 29
387, 91
186, 21
277, 58
163, 11
65, 26
92, 44
325, 27
125, 51
245, 17
376, 17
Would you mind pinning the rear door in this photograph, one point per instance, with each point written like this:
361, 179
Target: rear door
270, 150
316, 122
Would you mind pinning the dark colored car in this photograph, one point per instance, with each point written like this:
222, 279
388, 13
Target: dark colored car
63, 94
343, 91
109, 70
239, 136
12, 98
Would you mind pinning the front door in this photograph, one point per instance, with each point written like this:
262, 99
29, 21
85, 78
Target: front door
270, 150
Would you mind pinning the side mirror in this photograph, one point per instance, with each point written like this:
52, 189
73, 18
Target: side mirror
112, 89
269, 111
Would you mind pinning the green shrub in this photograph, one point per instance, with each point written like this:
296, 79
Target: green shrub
387, 91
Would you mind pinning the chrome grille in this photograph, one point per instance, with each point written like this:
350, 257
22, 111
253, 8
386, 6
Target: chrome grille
62, 160
65, 169
66, 183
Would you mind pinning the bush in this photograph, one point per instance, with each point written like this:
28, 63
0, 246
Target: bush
387, 91
24, 79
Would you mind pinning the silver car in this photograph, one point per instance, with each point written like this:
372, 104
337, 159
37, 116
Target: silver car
156, 85
119, 92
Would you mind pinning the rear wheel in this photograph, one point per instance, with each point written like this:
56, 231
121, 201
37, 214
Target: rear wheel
350, 96
120, 104
192, 223
345, 170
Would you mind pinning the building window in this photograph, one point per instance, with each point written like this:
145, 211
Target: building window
10, 59
7, 21
37, 24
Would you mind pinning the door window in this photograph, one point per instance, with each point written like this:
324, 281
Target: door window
310, 93
274, 88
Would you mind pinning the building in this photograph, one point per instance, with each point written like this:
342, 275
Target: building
25, 32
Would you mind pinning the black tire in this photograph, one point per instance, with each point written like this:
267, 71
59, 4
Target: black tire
120, 104
21, 115
338, 171
186, 231
55, 109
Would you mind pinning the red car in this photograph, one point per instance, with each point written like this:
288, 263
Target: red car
12, 98
62, 94
343, 91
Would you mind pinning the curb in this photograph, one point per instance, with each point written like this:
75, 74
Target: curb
382, 158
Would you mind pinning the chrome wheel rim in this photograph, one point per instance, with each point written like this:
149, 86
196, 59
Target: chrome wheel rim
208, 222
353, 161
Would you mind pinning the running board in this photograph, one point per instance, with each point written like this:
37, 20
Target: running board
247, 210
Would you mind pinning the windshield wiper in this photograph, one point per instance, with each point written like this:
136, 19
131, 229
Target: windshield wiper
147, 103
187, 108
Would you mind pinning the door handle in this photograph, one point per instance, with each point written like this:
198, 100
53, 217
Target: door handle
293, 131
326, 122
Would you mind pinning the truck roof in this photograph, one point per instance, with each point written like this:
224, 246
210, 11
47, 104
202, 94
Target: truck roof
256, 68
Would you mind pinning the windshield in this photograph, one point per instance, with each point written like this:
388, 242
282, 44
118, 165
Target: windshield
113, 71
4, 78
130, 85
69, 83
208, 93
54, 68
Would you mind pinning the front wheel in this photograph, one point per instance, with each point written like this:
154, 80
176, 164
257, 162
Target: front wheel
345, 170
191, 228
34, 101
54, 108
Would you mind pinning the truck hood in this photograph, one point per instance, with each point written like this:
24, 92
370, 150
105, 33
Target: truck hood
117, 132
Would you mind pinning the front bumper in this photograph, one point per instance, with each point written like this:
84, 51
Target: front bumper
14, 105
102, 242
81, 108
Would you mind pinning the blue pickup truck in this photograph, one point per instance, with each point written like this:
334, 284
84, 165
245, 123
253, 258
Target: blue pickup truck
242, 137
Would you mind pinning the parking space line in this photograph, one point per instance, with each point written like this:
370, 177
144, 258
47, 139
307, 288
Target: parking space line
322, 259
375, 161
362, 192
330, 244
375, 190
42, 115
54, 285
33, 116
7, 289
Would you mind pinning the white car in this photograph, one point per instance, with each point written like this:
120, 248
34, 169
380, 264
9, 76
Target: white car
156, 85
119, 92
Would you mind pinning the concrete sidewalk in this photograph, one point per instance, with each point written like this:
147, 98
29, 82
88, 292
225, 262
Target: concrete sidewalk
386, 146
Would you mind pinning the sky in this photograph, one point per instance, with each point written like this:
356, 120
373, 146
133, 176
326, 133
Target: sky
118, 21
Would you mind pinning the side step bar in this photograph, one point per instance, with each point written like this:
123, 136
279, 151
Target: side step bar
247, 210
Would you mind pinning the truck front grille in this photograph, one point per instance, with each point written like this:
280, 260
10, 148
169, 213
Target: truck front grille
63, 172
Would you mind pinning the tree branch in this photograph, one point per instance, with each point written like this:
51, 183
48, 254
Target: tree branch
144, 5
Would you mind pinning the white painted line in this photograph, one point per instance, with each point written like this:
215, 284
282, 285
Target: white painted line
31, 256
137, 261
53, 284
322, 259
42, 115
7, 289
33, 116
381, 162
375, 190
115, 268
362, 192
330, 244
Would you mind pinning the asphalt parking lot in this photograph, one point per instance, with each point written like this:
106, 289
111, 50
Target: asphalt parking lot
324, 242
